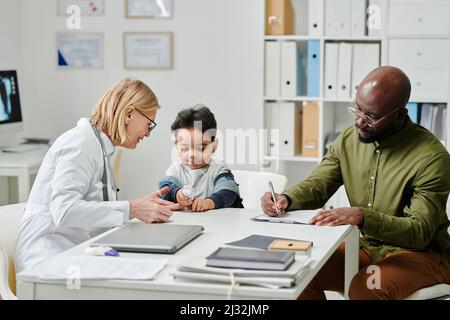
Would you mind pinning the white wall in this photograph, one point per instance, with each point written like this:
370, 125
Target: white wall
218, 61
10, 52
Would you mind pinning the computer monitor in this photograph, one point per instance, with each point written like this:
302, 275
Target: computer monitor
10, 111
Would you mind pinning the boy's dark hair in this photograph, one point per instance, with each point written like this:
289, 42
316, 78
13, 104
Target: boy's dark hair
188, 118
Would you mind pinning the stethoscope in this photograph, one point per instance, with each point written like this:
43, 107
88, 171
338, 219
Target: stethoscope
105, 171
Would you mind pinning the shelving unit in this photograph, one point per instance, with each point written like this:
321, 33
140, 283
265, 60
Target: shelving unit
332, 114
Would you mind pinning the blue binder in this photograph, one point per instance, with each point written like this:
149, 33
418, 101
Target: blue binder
413, 111
313, 74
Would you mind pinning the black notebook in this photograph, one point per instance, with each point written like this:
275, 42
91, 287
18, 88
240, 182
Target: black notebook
250, 259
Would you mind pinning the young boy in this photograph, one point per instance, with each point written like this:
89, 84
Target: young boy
197, 182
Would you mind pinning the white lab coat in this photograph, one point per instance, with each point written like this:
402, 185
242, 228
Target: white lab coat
66, 204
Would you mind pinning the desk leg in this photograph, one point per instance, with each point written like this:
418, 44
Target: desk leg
24, 186
351, 258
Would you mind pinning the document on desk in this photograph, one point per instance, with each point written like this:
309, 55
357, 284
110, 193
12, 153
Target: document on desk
102, 268
297, 216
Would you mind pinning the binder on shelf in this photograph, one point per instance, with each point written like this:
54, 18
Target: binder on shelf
344, 70
358, 18
375, 18
272, 69
290, 125
339, 17
436, 121
272, 122
310, 130
315, 10
331, 69
331, 19
413, 111
366, 57
426, 116
291, 69
313, 74
279, 17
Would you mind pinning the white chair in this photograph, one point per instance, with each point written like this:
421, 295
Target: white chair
441, 291
253, 185
10, 217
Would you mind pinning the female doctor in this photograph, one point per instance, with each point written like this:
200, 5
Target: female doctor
74, 196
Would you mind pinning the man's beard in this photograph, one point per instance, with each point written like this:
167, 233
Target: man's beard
377, 136
369, 139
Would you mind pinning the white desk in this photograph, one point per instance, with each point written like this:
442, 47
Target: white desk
220, 226
23, 166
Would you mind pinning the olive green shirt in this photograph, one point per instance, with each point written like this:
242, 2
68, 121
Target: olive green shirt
401, 183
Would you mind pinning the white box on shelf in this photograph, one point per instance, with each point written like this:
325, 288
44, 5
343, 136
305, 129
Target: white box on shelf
428, 84
419, 53
272, 68
419, 19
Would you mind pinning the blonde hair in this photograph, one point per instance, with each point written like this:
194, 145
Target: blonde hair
109, 113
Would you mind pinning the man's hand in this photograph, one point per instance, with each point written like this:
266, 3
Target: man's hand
183, 200
269, 207
202, 205
338, 217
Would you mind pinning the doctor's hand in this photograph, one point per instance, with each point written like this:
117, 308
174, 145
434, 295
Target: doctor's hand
156, 197
269, 207
153, 209
340, 216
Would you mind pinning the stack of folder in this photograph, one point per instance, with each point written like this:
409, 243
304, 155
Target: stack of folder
196, 271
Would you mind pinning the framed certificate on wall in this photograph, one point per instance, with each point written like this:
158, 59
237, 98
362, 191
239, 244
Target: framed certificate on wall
80, 50
149, 8
148, 50
87, 7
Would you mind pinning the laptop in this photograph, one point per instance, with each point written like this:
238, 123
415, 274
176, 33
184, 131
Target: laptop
150, 238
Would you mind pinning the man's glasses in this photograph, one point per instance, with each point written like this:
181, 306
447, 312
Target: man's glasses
151, 125
358, 114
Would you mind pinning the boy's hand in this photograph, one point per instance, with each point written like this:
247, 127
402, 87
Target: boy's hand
201, 205
183, 200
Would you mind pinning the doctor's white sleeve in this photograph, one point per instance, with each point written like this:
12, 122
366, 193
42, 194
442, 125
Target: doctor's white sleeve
76, 169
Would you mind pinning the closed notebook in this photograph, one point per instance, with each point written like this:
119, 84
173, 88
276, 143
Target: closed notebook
250, 259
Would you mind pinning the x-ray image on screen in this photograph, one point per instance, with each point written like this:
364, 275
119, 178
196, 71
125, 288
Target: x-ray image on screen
9, 98
5, 99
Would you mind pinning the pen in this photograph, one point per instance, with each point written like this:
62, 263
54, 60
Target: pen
273, 197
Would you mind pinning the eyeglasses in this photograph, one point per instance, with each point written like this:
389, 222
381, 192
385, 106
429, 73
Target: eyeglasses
151, 125
354, 110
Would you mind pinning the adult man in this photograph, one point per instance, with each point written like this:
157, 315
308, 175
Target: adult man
397, 178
